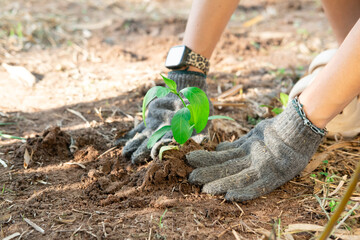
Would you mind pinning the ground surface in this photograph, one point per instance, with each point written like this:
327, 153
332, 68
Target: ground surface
93, 62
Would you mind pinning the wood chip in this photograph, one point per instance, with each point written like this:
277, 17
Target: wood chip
2, 162
36, 227
75, 163
14, 235
27, 158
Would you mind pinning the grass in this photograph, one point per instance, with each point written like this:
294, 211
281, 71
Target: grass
11, 136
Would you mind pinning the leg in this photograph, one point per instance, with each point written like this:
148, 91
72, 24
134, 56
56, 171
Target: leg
207, 21
342, 16
337, 84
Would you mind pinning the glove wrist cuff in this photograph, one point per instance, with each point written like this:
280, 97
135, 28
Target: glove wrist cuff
299, 108
290, 127
185, 79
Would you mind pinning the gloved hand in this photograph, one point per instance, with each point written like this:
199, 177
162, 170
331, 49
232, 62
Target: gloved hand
270, 155
160, 113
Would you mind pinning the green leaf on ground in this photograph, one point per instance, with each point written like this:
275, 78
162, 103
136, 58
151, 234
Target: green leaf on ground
180, 125
220, 117
199, 106
157, 91
170, 83
157, 135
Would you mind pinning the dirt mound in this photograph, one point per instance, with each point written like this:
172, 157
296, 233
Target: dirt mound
49, 147
116, 180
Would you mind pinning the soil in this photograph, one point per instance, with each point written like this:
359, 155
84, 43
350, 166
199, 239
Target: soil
93, 62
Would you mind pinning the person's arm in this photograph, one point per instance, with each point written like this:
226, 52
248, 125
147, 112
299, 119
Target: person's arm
337, 84
342, 16
278, 149
207, 21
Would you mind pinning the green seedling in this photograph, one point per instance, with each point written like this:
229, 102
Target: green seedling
10, 136
161, 218
333, 204
193, 116
6, 123
283, 99
253, 121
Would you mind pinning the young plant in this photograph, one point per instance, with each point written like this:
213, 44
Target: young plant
283, 100
193, 116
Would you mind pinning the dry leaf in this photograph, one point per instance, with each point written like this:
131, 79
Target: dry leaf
27, 158
318, 159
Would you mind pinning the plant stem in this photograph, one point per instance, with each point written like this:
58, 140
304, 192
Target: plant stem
181, 99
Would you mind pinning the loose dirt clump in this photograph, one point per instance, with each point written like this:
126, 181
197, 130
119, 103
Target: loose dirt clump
51, 146
119, 181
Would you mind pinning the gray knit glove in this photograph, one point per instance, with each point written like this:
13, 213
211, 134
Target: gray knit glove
270, 155
160, 113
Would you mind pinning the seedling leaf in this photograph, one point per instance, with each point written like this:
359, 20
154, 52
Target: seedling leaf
166, 148
220, 117
161, 218
157, 91
170, 83
199, 106
191, 121
157, 135
180, 125
277, 111
284, 98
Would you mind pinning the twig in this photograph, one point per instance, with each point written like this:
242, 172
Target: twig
242, 211
149, 238
236, 235
14, 235
346, 216
104, 230
78, 114
36, 227
109, 150
322, 207
78, 211
339, 186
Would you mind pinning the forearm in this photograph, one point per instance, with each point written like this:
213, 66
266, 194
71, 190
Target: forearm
207, 21
337, 84
342, 16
